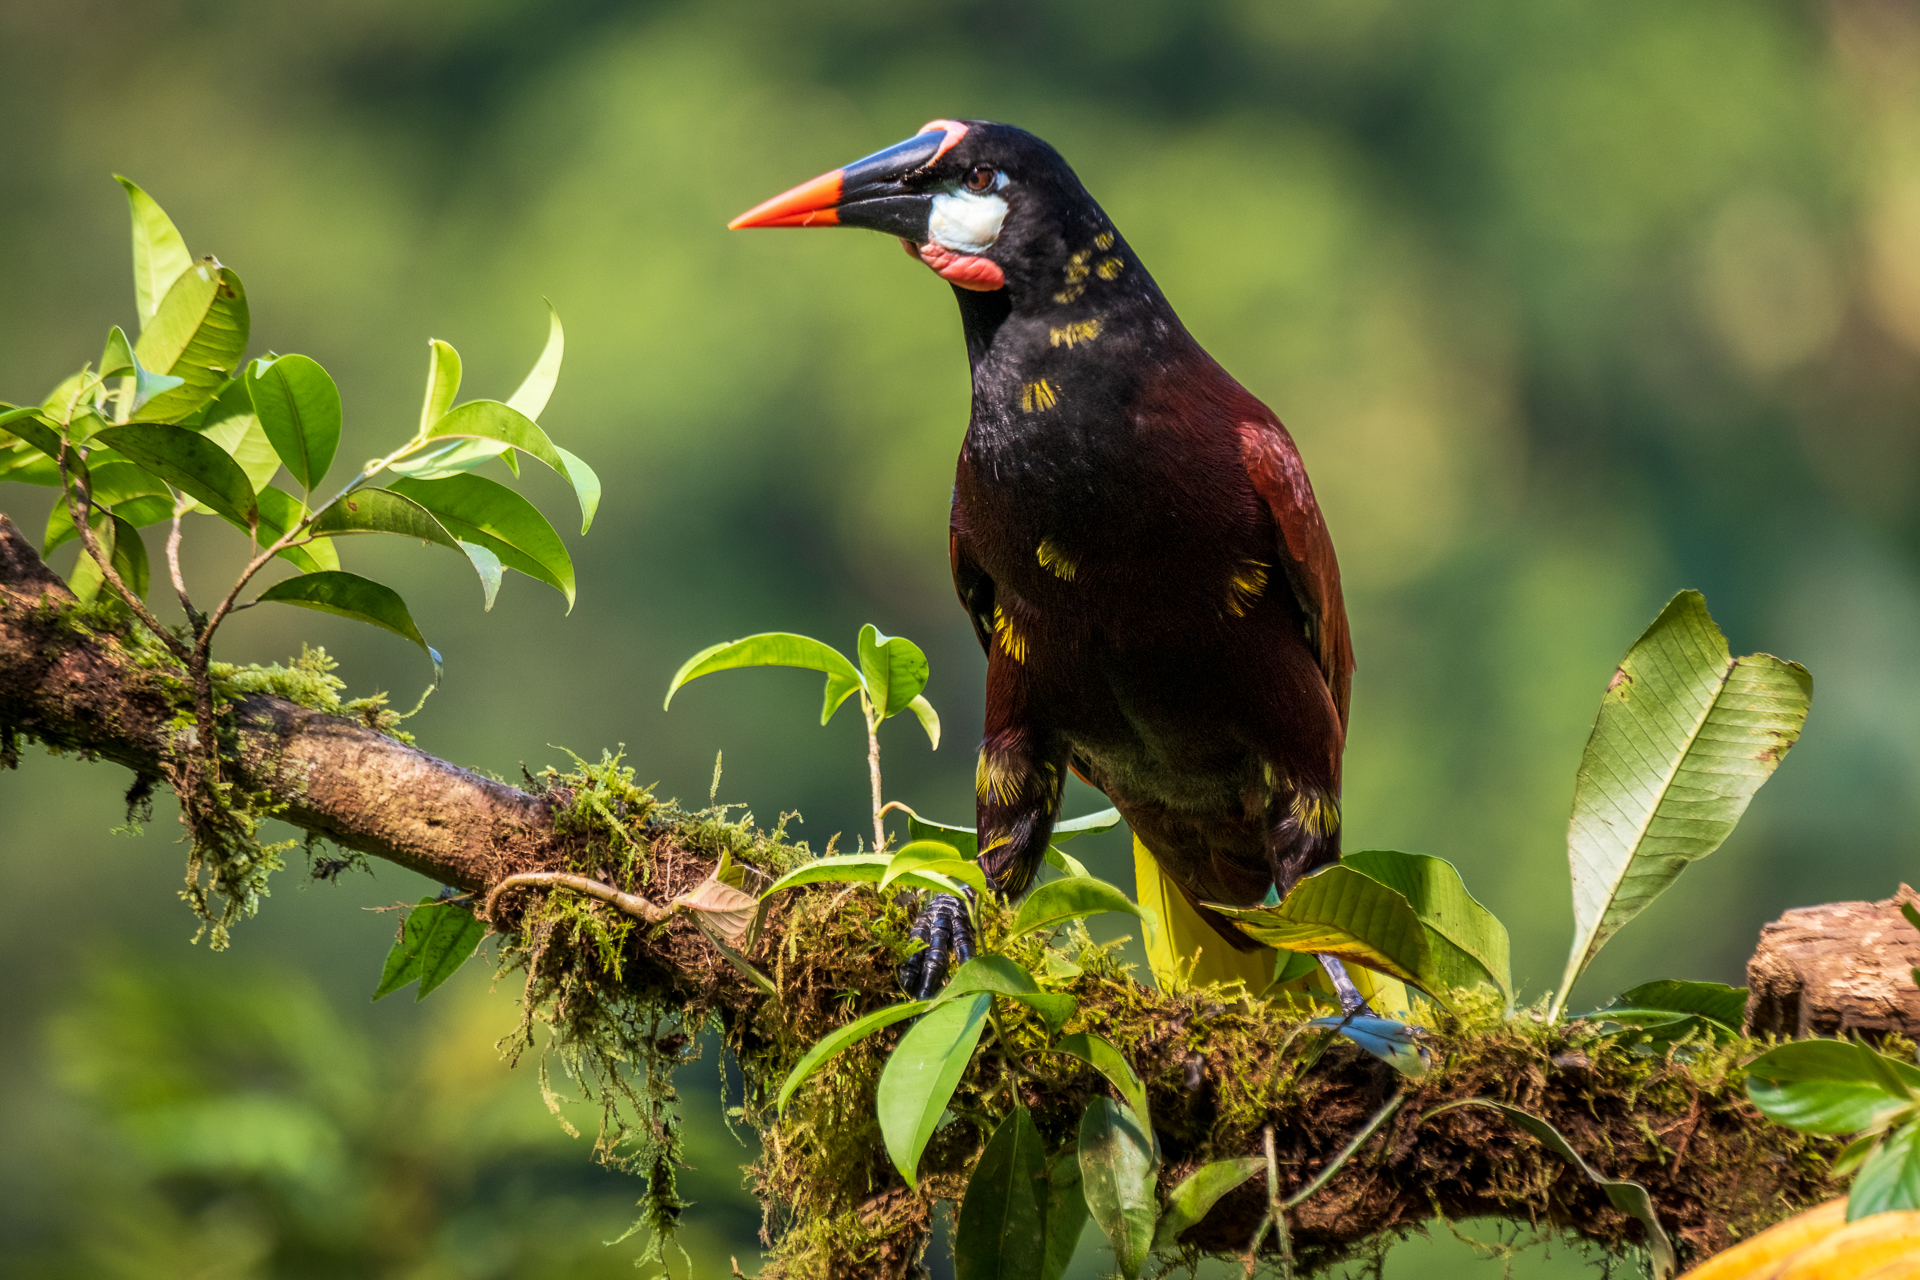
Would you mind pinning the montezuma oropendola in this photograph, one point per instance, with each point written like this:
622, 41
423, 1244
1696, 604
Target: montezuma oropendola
1133, 535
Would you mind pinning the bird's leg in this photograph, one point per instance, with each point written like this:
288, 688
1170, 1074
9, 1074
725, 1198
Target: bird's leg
1351, 1001
943, 926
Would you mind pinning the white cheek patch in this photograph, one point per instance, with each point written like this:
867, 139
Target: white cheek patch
965, 221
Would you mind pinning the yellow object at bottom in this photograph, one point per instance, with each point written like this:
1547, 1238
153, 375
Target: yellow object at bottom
1187, 951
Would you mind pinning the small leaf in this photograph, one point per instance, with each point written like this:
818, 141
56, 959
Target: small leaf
1116, 1176
189, 462
838, 1039
966, 840
1099, 1053
1198, 1192
840, 868
1889, 1177
1066, 1212
1338, 911
159, 252
351, 596
1665, 1011
1629, 1197
772, 649
586, 487
1058, 901
28, 425
1000, 976
1854, 1152
443, 383
116, 358
299, 409
491, 420
438, 937
1827, 1086
487, 565
535, 390
929, 718
478, 510
937, 857
1001, 1234
921, 1075
147, 384
373, 510
893, 668
129, 556
728, 911
198, 335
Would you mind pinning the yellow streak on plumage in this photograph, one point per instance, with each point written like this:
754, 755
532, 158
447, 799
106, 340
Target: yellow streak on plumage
1109, 268
1055, 561
1246, 587
996, 780
1035, 396
1317, 815
1074, 334
1012, 643
1104, 240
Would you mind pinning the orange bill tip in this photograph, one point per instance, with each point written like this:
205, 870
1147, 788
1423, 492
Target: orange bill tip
811, 204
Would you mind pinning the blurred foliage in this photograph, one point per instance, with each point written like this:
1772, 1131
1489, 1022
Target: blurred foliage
1570, 305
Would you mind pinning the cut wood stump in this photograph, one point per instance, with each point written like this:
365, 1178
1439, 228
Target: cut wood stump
1845, 968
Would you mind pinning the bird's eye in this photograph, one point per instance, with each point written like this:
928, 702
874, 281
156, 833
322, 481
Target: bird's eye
980, 178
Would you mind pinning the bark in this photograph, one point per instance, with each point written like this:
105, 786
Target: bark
1846, 968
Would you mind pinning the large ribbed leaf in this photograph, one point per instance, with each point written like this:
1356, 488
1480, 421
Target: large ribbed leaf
1686, 734
1002, 1234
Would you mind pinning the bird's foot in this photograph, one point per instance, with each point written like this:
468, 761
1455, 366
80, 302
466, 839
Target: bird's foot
944, 926
1351, 1001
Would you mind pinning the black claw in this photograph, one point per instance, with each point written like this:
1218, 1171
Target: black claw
942, 926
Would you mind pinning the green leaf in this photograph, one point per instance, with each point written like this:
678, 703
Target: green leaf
450, 459
1467, 944
198, 335
159, 252
586, 487
189, 462
491, 420
476, 509
856, 868
937, 857
1854, 1152
1117, 1178
1002, 1233
231, 423
114, 483
894, 669
373, 510
1099, 1053
920, 1077
488, 566
281, 511
1198, 1192
86, 579
1058, 901
1828, 1086
773, 649
443, 383
1338, 911
146, 383
116, 358
535, 390
1629, 1197
1889, 1178
929, 718
1665, 1011
437, 938
351, 596
1000, 976
299, 409
1066, 1212
125, 552
28, 425
840, 1038
1686, 734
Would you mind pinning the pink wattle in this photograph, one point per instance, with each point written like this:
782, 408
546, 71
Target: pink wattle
983, 275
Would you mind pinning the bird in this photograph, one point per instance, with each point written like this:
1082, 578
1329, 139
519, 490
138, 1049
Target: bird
1137, 544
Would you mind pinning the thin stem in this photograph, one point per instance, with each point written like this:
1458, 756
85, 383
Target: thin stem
873, 771
1333, 1166
195, 619
80, 511
631, 903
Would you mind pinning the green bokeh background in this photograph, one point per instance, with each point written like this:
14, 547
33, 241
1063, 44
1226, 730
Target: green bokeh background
1569, 304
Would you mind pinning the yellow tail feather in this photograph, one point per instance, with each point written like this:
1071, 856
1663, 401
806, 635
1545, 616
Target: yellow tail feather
1187, 951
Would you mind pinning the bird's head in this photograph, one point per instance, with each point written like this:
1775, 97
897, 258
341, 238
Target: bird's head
986, 206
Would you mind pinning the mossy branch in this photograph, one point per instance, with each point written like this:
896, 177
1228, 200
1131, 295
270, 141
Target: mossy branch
624, 993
